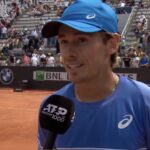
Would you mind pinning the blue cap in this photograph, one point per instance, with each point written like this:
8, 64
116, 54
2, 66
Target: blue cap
85, 16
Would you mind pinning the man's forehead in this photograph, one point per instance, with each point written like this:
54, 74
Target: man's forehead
66, 30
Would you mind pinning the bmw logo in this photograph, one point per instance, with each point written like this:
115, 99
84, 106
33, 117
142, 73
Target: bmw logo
6, 76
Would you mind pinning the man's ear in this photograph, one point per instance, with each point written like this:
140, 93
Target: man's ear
113, 43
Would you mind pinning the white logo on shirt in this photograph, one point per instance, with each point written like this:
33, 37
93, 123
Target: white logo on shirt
91, 16
125, 122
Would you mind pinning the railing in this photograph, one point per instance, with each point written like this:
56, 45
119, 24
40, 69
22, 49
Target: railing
127, 26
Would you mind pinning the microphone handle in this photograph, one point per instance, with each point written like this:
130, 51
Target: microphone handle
50, 141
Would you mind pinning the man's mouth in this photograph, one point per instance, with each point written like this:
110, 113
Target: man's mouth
75, 66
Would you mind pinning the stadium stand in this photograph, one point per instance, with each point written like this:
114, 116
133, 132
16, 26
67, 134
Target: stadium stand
132, 22
23, 34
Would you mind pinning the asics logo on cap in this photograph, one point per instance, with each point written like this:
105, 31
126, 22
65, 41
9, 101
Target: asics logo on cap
125, 122
91, 16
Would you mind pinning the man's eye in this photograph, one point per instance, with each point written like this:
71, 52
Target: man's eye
82, 40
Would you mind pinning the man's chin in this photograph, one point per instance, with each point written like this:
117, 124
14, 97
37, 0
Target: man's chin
76, 79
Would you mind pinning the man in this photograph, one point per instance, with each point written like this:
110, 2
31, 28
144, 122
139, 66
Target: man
111, 111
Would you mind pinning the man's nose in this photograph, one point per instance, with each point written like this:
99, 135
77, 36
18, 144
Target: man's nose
71, 50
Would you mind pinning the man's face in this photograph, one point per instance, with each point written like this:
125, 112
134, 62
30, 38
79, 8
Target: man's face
84, 55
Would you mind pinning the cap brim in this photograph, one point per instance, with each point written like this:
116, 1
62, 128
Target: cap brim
51, 28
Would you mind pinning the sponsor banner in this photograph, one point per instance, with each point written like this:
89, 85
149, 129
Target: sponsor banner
63, 76
129, 75
6, 76
52, 76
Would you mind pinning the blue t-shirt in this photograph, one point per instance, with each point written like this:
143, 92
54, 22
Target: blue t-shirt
120, 121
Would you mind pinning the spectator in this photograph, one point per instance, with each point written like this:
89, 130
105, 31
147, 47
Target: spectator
144, 60
42, 58
1, 26
25, 43
5, 48
135, 61
11, 59
25, 60
148, 44
34, 60
4, 32
126, 60
50, 60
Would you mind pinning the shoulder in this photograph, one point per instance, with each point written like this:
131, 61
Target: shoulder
135, 85
66, 91
136, 89
140, 86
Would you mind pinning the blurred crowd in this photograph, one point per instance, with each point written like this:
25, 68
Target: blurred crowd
133, 57
11, 13
37, 51
120, 3
38, 58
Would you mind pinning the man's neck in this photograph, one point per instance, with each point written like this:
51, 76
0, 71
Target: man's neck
91, 92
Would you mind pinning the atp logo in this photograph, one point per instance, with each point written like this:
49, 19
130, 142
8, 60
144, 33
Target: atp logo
53, 109
125, 122
55, 112
6, 76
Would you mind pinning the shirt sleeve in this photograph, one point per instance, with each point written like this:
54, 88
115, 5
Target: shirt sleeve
42, 133
147, 121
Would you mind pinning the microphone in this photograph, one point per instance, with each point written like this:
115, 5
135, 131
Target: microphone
56, 115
